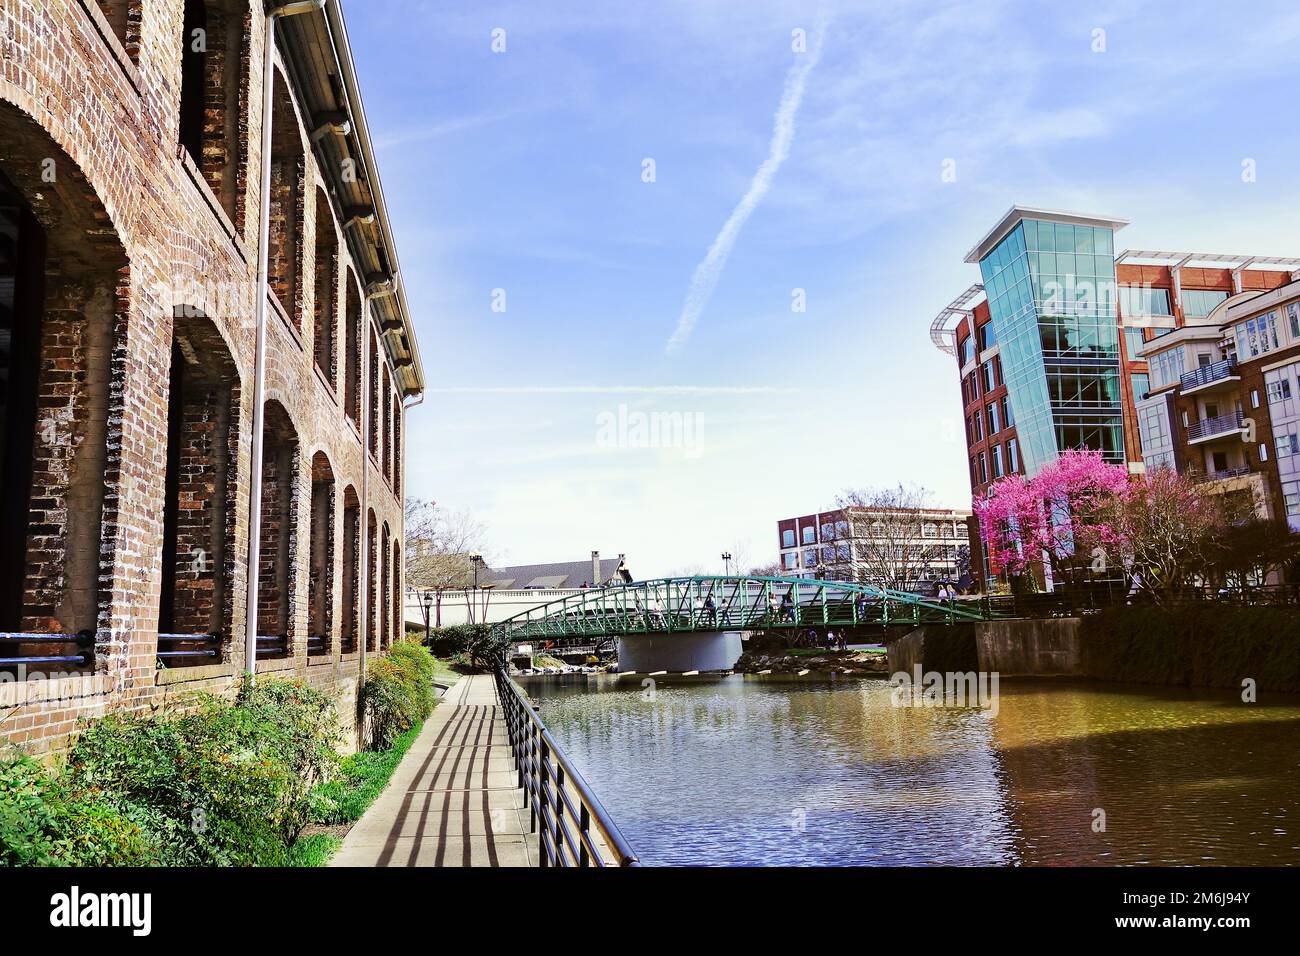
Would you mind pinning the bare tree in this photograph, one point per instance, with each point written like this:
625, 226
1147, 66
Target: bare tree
441, 546
771, 570
886, 530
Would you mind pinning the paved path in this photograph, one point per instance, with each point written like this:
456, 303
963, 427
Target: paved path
452, 800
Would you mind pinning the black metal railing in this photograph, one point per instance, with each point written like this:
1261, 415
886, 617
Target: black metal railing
318, 645
1207, 374
1094, 596
272, 646
189, 650
562, 809
1219, 425
84, 642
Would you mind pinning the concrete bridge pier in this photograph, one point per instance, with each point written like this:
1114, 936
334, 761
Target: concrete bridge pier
679, 651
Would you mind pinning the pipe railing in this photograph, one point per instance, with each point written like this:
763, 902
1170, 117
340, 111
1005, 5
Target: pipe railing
563, 810
84, 641
270, 646
189, 647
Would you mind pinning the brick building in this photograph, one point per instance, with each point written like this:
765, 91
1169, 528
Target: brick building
1224, 401
1055, 346
157, 374
909, 549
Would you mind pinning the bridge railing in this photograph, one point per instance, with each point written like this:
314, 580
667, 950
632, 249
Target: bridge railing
573, 828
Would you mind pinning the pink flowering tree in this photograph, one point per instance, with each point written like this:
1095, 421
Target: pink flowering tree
1060, 514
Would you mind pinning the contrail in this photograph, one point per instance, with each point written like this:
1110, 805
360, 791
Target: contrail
707, 273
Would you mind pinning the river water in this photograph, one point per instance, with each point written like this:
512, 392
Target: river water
759, 771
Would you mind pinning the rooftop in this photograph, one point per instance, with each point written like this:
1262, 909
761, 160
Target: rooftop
1017, 213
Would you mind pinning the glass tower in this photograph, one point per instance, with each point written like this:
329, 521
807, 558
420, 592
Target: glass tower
1051, 292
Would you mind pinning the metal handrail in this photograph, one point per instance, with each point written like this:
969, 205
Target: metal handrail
210, 646
84, 640
549, 781
1208, 373
1220, 424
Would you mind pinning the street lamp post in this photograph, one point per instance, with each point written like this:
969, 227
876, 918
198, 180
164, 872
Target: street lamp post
428, 608
726, 563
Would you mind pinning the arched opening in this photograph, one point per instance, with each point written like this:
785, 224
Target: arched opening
214, 92
288, 181
399, 623
123, 18
276, 600
384, 399
199, 503
376, 405
372, 575
324, 316
320, 607
352, 374
63, 306
350, 625
397, 445
385, 611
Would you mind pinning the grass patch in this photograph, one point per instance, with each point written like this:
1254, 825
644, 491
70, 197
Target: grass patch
314, 850
360, 780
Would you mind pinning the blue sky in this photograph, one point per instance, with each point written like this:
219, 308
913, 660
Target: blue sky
523, 171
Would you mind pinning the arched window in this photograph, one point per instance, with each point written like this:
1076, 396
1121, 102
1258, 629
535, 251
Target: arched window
385, 610
123, 18
320, 607
276, 600
372, 575
63, 307
199, 503
350, 625
324, 316
399, 617
383, 398
212, 124
288, 182
375, 403
352, 372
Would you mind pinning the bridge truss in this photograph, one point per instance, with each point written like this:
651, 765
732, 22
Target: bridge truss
670, 605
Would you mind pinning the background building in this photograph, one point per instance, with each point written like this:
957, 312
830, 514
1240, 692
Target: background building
1053, 346
131, 159
565, 574
1224, 401
904, 549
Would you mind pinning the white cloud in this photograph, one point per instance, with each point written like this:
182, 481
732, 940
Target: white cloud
707, 273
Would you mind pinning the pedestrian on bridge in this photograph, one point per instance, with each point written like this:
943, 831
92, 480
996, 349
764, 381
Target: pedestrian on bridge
711, 610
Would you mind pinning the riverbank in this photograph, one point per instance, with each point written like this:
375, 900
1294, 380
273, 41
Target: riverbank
803, 662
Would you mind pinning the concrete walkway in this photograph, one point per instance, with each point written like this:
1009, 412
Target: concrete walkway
452, 800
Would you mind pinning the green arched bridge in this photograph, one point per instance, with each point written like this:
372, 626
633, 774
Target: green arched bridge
709, 604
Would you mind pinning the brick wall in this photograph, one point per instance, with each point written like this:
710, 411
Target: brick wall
90, 93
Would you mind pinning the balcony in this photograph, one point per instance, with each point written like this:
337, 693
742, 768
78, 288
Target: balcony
1214, 375
1211, 429
1222, 475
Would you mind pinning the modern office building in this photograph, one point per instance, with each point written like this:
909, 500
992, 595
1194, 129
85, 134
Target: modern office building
909, 549
1052, 344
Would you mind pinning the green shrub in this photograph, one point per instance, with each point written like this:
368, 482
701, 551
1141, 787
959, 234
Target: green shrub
1210, 645
45, 822
225, 785
361, 778
397, 694
478, 646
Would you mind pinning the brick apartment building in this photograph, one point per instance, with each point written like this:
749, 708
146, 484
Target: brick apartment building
1224, 401
151, 363
1055, 348
924, 546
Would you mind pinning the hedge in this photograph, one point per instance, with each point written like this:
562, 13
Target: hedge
226, 784
397, 694
1210, 645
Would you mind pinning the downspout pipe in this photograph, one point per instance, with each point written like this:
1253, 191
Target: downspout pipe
259, 358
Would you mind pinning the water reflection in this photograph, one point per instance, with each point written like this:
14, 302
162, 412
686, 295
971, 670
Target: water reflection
748, 771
